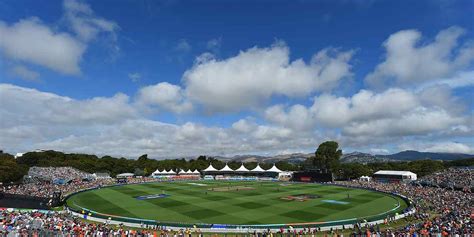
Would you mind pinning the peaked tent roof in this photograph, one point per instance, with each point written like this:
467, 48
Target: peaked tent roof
157, 171
242, 169
195, 172
274, 169
258, 169
188, 172
210, 168
182, 171
226, 168
169, 172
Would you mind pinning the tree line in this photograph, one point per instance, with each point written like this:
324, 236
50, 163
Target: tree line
327, 157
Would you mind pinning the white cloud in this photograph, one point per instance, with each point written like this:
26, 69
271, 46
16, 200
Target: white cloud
135, 76
441, 96
24, 106
85, 23
32, 41
364, 105
244, 126
296, 117
392, 113
408, 61
24, 73
29, 117
459, 80
412, 123
29, 40
253, 76
33, 119
164, 95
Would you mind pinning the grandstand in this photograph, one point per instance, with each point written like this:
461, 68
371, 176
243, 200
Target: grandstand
56, 175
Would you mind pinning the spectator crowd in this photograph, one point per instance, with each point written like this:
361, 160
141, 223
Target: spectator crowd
439, 211
460, 178
56, 174
46, 189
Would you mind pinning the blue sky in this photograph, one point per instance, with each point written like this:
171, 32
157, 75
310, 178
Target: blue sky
234, 77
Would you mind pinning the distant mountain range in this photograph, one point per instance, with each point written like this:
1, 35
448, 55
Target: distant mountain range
353, 157
416, 155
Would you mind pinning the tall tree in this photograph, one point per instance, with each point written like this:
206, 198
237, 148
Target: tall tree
327, 156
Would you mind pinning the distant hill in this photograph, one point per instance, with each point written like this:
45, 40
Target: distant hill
417, 155
359, 157
353, 157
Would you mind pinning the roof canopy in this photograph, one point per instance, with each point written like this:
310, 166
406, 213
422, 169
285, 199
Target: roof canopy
210, 168
274, 169
195, 172
169, 172
394, 172
242, 169
257, 169
157, 171
226, 168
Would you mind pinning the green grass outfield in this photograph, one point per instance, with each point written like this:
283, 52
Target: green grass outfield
261, 204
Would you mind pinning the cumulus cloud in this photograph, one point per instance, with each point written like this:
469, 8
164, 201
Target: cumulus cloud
459, 80
31, 41
29, 116
392, 113
413, 123
244, 125
250, 78
297, 117
114, 125
164, 95
24, 73
33, 119
19, 105
408, 61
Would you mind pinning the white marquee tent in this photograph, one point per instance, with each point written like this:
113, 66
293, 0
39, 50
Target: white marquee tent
242, 169
210, 169
226, 169
257, 169
274, 169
